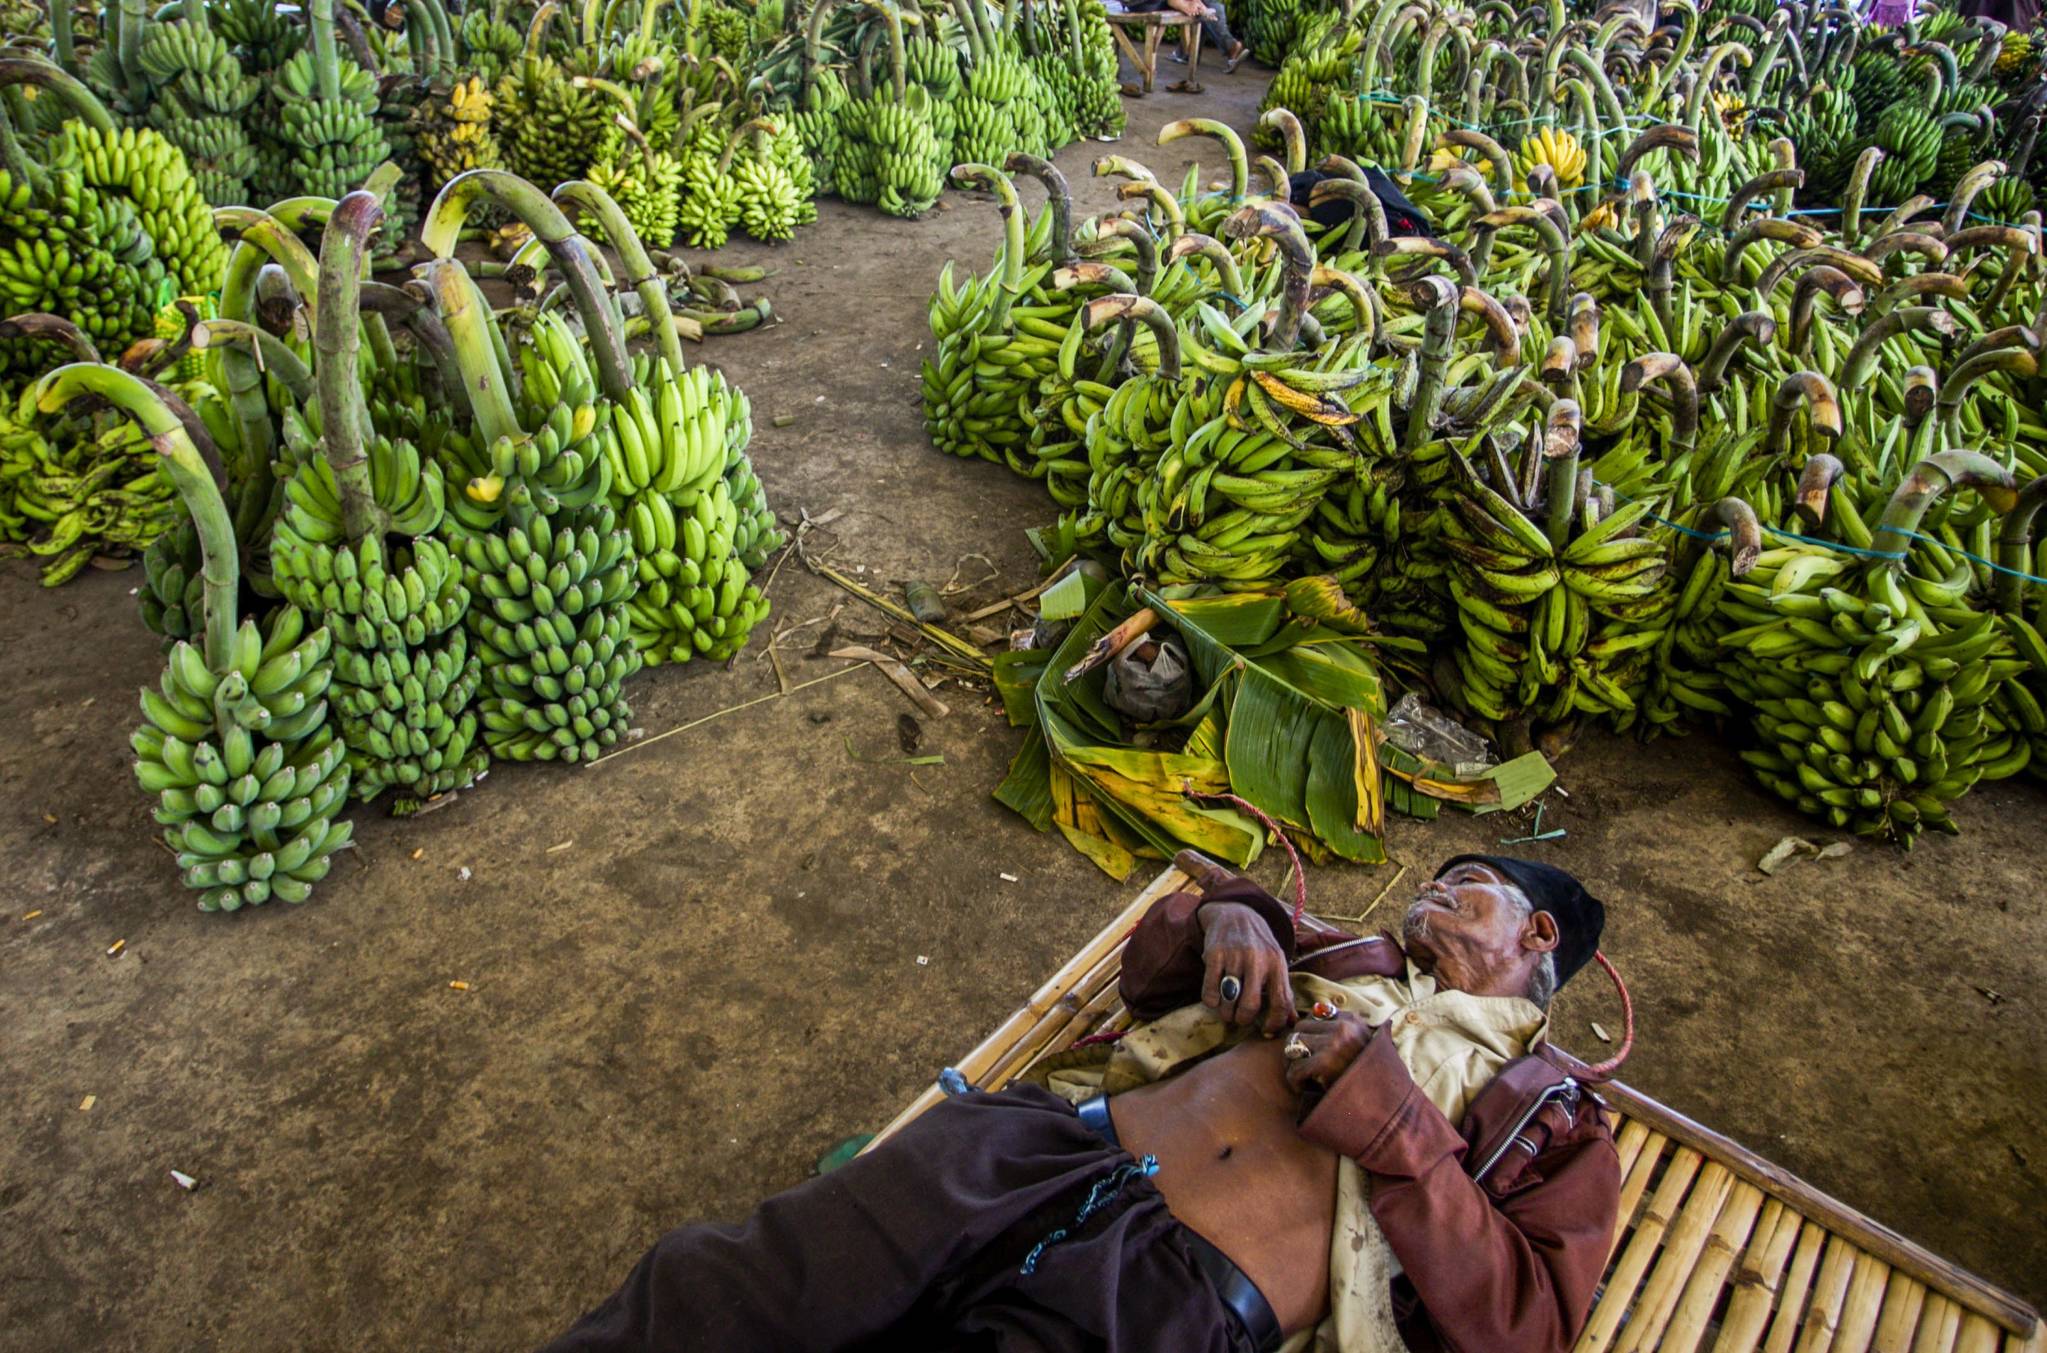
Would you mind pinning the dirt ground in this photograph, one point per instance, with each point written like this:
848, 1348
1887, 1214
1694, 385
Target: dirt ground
694, 969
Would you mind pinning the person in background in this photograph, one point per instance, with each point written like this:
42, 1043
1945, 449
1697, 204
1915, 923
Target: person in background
1214, 24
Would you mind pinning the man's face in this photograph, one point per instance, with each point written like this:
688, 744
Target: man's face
1467, 929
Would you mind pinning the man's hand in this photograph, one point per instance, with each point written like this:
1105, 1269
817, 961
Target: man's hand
1238, 945
1333, 1044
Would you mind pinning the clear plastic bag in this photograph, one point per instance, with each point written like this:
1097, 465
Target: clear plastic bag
1414, 727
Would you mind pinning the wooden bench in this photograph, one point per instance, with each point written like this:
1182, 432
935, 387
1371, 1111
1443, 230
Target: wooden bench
1715, 1247
1153, 28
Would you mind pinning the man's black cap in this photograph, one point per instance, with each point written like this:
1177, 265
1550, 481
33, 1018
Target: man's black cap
1579, 915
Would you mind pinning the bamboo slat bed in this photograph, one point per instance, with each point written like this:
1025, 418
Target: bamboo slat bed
1716, 1248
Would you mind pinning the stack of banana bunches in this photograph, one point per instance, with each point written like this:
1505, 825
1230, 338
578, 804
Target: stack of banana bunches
441, 535
1611, 460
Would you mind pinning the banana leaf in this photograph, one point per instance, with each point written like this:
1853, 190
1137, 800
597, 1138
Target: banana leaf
1016, 683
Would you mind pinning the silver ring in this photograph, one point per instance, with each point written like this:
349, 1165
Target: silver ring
1231, 988
1297, 1049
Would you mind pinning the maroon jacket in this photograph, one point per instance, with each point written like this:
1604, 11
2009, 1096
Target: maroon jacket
1504, 1262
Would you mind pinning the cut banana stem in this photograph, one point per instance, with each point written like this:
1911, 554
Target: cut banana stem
1232, 144
1292, 137
1762, 183
1744, 534
1822, 471
55, 329
1058, 199
1146, 311
1669, 370
337, 337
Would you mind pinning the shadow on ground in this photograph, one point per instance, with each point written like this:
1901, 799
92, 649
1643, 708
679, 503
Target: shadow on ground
695, 968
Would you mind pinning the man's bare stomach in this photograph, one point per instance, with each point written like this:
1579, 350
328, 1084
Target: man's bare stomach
1232, 1167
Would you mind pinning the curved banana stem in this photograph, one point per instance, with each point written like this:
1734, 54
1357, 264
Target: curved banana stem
1862, 358
1292, 136
276, 243
1812, 392
1906, 242
2015, 546
442, 227
1114, 227
1232, 144
1058, 199
1595, 75
1364, 301
1744, 533
1146, 311
1762, 183
337, 337
1815, 482
1757, 328
1972, 182
1195, 243
1817, 281
1368, 213
270, 353
1297, 261
1420, 246
1928, 480
1278, 184
1688, 34
1709, 71
1495, 154
1439, 300
52, 328
1786, 264
1662, 265
1663, 136
68, 90
1679, 383
2022, 362
1792, 234
586, 196
1541, 218
1164, 202
465, 314
1499, 325
1858, 188
185, 460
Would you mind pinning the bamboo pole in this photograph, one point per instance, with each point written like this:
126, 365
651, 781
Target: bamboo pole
1938, 1325
1634, 1184
1627, 1143
1865, 1303
1903, 1300
1823, 1318
1978, 1335
1755, 1284
1658, 1298
1617, 1299
1791, 1303
1709, 1277
1045, 1034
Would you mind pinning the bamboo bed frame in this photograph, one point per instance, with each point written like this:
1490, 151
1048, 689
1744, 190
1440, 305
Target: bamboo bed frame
1716, 1248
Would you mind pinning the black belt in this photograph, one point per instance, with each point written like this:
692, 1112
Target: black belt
1232, 1285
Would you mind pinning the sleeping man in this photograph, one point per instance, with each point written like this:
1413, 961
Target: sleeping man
1308, 1141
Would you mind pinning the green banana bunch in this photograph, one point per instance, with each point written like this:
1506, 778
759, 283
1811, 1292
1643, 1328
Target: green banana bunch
147, 170
235, 745
326, 138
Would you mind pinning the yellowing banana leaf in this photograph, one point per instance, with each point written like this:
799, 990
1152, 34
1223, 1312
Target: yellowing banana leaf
1087, 830
1323, 598
1339, 768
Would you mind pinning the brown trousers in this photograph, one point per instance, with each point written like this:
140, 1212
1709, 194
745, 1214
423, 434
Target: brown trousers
922, 1244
